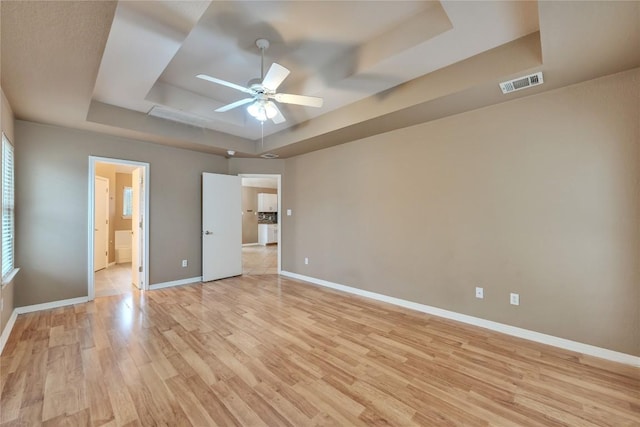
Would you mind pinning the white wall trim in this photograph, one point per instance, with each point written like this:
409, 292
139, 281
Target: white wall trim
50, 305
7, 329
90, 208
176, 283
566, 344
10, 276
250, 244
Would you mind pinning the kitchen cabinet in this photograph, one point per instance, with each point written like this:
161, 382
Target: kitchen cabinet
267, 233
267, 202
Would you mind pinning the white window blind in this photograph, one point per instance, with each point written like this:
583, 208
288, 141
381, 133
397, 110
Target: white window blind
8, 214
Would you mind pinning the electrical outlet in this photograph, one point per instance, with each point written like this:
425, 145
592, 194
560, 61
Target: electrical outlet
184, 263
514, 299
288, 212
479, 293
306, 261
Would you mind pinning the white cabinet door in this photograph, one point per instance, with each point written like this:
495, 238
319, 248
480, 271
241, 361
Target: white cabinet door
267, 233
263, 234
273, 233
267, 202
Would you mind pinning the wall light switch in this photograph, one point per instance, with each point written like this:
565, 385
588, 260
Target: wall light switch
288, 212
479, 293
514, 299
306, 260
184, 262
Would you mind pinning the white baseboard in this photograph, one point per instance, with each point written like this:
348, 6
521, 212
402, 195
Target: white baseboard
176, 283
36, 307
111, 264
50, 305
566, 344
7, 329
250, 244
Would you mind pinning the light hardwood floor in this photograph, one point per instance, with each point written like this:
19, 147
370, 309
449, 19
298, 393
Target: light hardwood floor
113, 280
259, 259
266, 350
116, 280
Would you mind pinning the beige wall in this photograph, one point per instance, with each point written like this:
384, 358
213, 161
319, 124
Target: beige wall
6, 291
52, 193
107, 170
249, 212
120, 223
256, 166
537, 196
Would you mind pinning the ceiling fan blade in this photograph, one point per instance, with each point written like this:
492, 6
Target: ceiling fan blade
308, 101
275, 76
234, 105
225, 83
278, 118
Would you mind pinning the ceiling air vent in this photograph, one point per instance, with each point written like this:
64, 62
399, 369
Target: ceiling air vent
522, 83
269, 156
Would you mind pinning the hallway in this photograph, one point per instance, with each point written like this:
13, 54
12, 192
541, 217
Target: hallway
114, 280
259, 259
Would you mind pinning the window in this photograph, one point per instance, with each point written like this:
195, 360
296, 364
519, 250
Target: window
8, 213
127, 197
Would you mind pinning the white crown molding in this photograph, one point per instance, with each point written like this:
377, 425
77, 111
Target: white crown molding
566, 344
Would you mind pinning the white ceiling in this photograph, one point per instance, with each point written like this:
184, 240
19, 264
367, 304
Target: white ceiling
379, 65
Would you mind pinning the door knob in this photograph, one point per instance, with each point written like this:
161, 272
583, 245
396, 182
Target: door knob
208, 232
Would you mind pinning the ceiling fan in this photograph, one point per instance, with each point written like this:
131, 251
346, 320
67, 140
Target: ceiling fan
263, 92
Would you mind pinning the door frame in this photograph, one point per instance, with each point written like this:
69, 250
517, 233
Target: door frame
90, 216
281, 211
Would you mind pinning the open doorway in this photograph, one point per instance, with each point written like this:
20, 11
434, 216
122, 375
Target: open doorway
261, 217
118, 230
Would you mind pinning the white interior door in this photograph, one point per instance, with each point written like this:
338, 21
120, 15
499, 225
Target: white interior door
101, 223
221, 226
137, 218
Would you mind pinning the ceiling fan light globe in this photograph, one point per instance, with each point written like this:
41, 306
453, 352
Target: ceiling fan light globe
262, 110
270, 110
257, 111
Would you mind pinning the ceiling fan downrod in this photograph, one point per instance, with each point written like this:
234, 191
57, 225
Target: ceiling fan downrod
263, 44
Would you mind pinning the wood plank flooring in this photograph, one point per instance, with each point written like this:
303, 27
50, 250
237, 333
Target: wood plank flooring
259, 259
113, 280
266, 350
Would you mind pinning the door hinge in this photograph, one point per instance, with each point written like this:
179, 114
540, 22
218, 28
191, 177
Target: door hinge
140, 269
106, 253
140, 224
